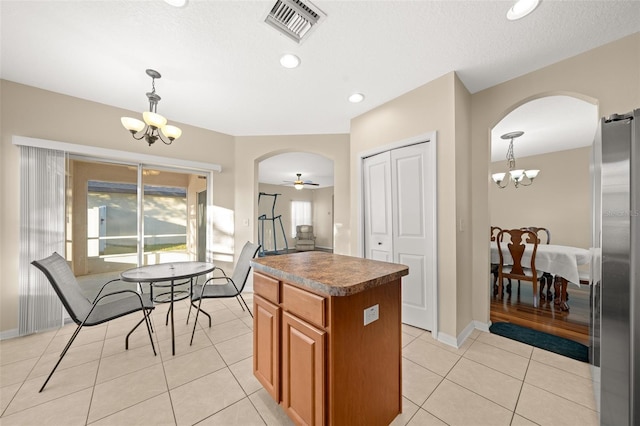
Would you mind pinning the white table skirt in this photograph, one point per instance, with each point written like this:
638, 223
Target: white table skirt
551, 258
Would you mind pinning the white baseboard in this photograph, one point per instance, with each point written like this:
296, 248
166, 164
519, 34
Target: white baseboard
482, 326
9, 334
457, 342
447, 339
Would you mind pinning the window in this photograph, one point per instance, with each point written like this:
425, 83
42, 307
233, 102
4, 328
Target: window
300, 215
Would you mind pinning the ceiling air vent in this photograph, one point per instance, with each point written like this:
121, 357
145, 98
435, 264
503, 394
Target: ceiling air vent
294, 18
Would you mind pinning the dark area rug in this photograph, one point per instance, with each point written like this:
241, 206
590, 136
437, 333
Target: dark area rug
542, 340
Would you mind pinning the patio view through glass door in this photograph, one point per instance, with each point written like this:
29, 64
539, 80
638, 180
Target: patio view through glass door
120, 216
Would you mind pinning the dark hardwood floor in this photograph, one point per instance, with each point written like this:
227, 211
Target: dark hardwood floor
517, 308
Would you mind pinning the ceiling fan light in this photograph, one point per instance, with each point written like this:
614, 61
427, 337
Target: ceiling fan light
498, 177
132, 124
298, 185
172, 132
531, 174
154, 119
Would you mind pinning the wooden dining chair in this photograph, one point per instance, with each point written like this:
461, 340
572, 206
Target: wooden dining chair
542, 234
515, 241
495, 230
546, 279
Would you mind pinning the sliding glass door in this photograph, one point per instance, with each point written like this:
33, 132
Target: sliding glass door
124, 215
165, 201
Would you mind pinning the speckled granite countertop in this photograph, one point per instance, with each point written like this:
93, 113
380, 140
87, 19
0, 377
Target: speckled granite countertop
329, 274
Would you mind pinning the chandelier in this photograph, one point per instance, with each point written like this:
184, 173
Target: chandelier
154, 126
518, 176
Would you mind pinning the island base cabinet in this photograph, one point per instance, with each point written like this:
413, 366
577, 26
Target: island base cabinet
322, 359
303, 371
266, 345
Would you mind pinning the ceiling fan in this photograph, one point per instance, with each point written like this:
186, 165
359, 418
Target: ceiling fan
299, 183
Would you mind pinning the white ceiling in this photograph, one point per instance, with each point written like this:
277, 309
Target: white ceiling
220, 62
550, 124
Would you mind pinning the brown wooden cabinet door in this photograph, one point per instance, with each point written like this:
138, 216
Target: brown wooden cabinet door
303, 371
266, 345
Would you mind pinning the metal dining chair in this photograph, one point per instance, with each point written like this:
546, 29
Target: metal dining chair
85, 312
230, 287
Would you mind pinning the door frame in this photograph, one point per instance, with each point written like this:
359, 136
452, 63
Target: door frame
431, 175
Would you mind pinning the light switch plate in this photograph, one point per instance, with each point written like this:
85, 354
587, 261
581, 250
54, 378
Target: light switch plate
371, 314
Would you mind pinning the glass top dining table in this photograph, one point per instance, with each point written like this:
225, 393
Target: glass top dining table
167, 272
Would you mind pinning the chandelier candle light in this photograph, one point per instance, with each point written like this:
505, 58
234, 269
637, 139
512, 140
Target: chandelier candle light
154, 125
518, 176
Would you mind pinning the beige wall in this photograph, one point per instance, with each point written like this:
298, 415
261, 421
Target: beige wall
608, 76
250, 150
559, 198
464, 253
31, 112
323, 217
434, 106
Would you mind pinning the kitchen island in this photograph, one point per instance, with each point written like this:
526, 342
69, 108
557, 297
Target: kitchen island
327, 337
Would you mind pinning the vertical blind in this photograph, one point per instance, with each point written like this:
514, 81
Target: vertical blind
42, 201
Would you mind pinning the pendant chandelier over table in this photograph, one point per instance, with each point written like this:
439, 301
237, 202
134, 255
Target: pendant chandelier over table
154, 126
518, 176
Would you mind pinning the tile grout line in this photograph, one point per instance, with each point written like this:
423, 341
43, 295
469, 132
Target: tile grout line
166, 381
44, 351
115, 378
515, 408
95, 379
491, 367
564, 398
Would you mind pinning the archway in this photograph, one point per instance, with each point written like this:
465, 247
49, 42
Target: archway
558, 134
294, 188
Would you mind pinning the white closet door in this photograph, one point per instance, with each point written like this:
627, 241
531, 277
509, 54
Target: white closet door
411, 232
399, 226
378, 212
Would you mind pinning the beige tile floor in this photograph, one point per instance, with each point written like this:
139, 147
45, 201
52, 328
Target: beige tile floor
490, 380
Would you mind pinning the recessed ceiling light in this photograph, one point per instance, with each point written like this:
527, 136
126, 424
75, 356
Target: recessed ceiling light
521, 9
176, 3
356, 97
289, 60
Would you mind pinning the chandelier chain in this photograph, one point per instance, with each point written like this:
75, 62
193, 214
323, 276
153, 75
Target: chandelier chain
510, 156
519, 177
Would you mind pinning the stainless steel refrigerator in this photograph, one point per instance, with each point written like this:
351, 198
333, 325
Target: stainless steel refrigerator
616, 268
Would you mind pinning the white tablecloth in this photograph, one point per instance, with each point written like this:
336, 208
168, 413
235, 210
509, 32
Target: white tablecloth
551, 258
